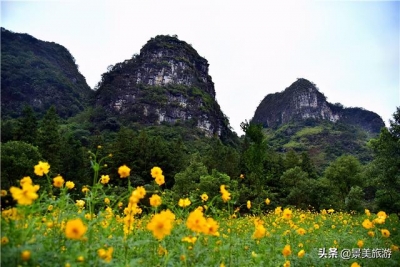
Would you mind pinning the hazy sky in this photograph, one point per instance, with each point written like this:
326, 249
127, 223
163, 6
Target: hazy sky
349, 49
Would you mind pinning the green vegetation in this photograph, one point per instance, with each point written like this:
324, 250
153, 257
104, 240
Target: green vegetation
39, 74
103, 179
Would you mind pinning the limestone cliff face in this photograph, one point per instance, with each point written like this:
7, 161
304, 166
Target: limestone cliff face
168, 82
302, 100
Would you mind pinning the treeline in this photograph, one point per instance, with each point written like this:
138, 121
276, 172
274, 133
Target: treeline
192, 165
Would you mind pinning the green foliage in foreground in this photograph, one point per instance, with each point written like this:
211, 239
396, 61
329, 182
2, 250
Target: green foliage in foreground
39, 231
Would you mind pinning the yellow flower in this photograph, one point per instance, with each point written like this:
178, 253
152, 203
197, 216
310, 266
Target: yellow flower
367, 224
137, 194
41, 168
385, 233
367, 212
25, 180
259, 231
4, 240
3, 193
301, 231
286, 264
75, 229
85, 189
104, 254
80, 203
287, 214
107, 201
278, 210
155, 172
382, 215
69, 184
161, 224
26, 195
360, 243
331, 211
379, 220
58, 181
50, 208
241, 176
25, 255
286, 251
267, 201
160, 180
226, 196
155, 200
80, 259
211, 227
301, 253
124, 171
355, 264
104, 179
196, 221
248, 204
184, 202
204, 197
189, 239
371, 233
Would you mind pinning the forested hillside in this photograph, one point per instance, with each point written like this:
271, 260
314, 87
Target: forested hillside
159, 109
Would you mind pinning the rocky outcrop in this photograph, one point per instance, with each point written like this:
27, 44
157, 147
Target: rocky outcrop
302, 100
168, 82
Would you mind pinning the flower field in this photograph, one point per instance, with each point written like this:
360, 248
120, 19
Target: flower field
146, 227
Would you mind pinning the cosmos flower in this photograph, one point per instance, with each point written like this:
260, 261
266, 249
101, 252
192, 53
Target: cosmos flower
104, 179
161, 224
248, 204
75, 229
155, 172
26, 195
155, 200
385, 233
69, 185
184, 202
41, 168
301, 253
286, 251
58, 181
124, 171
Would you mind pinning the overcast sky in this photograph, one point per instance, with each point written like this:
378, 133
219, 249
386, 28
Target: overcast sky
349, 49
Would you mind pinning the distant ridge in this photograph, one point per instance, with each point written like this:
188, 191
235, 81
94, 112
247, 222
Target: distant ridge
39, 74
302, 100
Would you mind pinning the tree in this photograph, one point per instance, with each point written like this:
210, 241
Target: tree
17, 160
295, 186
223, 158
28, 126
308, 166
387, 165
344, 173
49, 139
187, 181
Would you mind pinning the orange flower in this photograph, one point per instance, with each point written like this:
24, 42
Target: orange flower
75, 229
286, 251
58, 181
